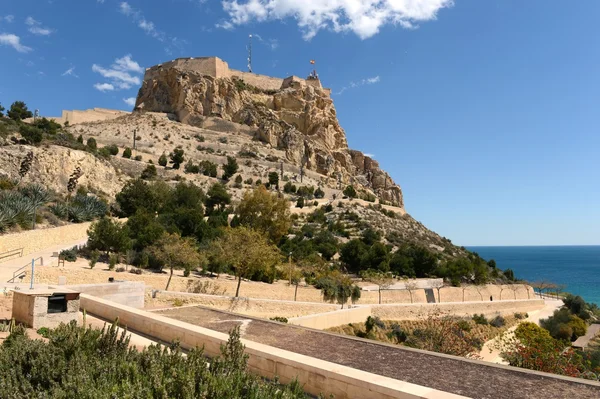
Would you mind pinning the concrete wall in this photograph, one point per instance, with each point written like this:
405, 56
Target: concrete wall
256, 307
125, 293
32, 310
417, 310
316, 376
37, 240
340, 317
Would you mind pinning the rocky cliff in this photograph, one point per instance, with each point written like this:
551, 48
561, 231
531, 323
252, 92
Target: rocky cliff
299, 119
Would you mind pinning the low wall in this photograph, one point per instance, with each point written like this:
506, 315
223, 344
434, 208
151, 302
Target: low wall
316, 376
418, 310
125, 293
340, 317
37, 240
254, 307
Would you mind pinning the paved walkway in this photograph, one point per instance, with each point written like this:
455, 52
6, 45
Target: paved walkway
583, 342
8, 267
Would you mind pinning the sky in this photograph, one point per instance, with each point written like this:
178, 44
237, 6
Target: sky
486, 113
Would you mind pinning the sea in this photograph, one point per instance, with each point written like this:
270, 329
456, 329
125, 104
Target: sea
577, 267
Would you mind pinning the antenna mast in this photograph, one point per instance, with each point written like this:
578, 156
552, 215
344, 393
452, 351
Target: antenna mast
250, 53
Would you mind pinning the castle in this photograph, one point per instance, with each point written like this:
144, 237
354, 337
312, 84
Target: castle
217, 68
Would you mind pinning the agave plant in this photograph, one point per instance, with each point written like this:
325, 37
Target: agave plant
16, 208
83, 208
60, 210
38, 196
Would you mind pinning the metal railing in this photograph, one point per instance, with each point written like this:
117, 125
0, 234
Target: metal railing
12, 252
21, 271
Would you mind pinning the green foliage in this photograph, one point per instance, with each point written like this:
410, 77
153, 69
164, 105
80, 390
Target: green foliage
82, 208
230, 168
300, 202
319, 193
47, 126
350, 192
265, 212
279, 319
31, 134
208, 168
138, 158
69, 255
191, 168
109, 236
2, 109
564, 325
127, 153
113, 259
112, 149
19, 111
162, 160
497, 322
289, 188
137, 194
80, 362
480, 319
274, 179
80, 139
339, 288
94, 256
176, 157
149, 172
217, 198
92, 144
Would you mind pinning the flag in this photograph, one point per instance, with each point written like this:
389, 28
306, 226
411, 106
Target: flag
312, 62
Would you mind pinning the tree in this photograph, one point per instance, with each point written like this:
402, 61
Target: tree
274, 180
217, 197
176, 158
265, 212
136, 194
410, 286
176, 252
31, 134
300, 203
438, 285
382, 280
144, 228
127, 153
18, 111
319, 193
230, 168
109, 235
91, 144
1, 111
162, 160
246, 251
208, 168
352, 252
350, 192
337, 287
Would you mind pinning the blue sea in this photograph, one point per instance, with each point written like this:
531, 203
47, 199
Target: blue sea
578, 267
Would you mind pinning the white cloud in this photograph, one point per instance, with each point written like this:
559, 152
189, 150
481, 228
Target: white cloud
366, 154
104, 87
122, 74
142, 22
363, 17
366, 81
14, 41
7, 18
36, 27
130, 101
272, 43
70, 72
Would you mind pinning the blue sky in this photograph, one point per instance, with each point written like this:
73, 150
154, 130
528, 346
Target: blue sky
485, 112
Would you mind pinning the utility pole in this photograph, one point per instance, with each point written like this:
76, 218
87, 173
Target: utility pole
134, 137
281, 166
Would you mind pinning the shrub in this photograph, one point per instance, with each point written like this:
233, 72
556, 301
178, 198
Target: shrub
91, 144
104, 153
300, 202
120, 269
319, 193
127, 152
199, 138
135, 271
191, 168
248, 181
350, 192
223, 140
94, 256
138, 158
230, 168
480, 319
177, 302
177, 157
112, 149
69, 255
464, 325
279, 319
208, 168
498, 321
162, 161
149, 172
44, 332
32, 134
113, 259
521, 316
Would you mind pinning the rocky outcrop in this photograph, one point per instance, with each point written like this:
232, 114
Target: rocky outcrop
299, 119
52, 166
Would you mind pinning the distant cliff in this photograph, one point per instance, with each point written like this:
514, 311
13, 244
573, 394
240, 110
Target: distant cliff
299, 117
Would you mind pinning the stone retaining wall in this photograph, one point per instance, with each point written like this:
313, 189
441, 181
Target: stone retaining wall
416, 311
125, 293
340, 317
38, 240
315, 375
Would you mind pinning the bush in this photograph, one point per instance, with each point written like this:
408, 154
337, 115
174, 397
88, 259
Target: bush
120, 269
300, 202
162, 161
177, 157
91, 144
199, 138
113, 259
149, 173
94, 256
521, 316
112, 149
135, 271
138, 158
223, 140
191, 168
69, 255
127, 152
32, 134
350, 192
279, 319
319, 193
498, 322
480, 319
464, 325
44, 332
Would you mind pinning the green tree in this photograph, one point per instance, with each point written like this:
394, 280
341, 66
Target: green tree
162, 160
300, 203
230, 168
112, 149
350, 192
176, 158
274, 180
217, 197
149, 173
136, 194
246, 251
144, 228
208, 168
339, 288
351, 254
18, 111
176, 253
265, 212
319, 193
91, 144
1, 111
127, 153
381, 279
109, 235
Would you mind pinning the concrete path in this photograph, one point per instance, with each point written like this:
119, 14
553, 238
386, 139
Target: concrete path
491, 351
7, 268
583, 342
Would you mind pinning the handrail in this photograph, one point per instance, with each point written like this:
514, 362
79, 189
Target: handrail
12, 252
20, 271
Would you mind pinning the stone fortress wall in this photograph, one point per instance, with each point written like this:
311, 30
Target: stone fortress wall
217, 68
89, 115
